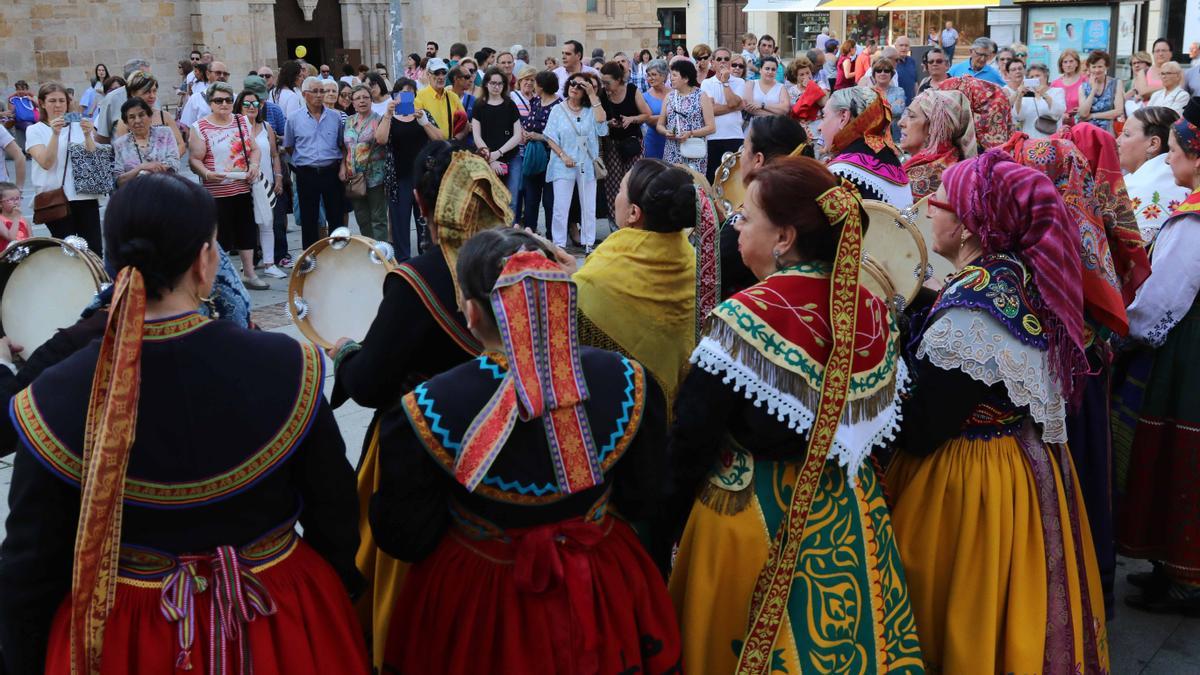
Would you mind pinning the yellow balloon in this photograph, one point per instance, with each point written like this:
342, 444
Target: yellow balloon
301, 51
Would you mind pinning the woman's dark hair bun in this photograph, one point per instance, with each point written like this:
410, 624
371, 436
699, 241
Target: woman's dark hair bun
137, 252
665, 194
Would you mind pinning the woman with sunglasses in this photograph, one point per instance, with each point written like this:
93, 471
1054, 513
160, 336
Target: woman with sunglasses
883, 81
223, 155
573, 133
250, 104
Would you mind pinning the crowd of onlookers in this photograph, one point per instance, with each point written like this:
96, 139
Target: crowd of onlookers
320, 141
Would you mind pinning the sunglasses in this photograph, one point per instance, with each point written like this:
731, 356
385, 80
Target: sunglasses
884, 70
936, 62
704, 58
737, 65
576, 85
221, 100
195, 59
937, 203
251, 104
721, 59
1021, 55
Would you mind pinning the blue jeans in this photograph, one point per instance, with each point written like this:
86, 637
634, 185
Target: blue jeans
513, 181
402, 211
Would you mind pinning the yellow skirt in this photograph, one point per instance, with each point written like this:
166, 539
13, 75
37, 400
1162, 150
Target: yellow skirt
384, 574
999, 558
848, 609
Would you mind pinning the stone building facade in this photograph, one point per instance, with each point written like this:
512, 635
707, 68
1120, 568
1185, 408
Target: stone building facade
63, 40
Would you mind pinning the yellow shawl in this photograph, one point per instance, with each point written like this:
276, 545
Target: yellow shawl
639, 288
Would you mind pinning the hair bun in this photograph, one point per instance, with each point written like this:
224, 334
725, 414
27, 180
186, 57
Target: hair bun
683, 205
138, 252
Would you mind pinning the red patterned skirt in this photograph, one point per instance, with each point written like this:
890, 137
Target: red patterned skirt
313, 628
574, 597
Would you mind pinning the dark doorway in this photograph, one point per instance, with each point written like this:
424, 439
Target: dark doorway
731, 24
320, 37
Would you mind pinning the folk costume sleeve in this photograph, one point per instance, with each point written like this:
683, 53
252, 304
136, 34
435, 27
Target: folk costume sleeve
411, 510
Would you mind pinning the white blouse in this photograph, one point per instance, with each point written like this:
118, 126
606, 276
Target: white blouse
1169, 292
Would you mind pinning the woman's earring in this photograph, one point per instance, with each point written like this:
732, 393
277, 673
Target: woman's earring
211, 306
778, 263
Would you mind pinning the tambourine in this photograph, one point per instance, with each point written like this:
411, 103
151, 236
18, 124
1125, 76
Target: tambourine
893, 245
45, 284
336, 286
731, 192
918, 216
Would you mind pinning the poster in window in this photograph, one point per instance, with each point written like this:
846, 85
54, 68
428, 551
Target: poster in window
1095, 34
1039, 54
1070, 33
1045, 31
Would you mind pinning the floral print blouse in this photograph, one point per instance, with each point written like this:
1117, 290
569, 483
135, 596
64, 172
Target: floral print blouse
366, 156
161, 148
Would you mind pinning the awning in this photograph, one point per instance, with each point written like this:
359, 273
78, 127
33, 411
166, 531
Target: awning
781, 5
916, 5
851, 4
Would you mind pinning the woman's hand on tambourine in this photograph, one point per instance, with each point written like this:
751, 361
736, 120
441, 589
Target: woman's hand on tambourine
8, 349
337, 346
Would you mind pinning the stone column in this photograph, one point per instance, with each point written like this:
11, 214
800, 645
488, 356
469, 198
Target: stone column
383, 50
364, 11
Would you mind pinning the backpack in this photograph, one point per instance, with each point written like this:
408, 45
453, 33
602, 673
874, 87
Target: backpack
25, 112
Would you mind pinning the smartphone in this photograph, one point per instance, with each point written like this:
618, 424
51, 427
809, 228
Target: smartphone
72, 117
1032, 82
405, 105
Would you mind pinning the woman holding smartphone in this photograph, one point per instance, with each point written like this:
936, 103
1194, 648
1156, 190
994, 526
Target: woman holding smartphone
405, 130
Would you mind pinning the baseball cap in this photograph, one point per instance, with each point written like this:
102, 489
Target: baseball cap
255, 84
435, 65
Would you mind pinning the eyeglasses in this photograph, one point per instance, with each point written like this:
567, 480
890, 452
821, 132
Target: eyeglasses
221, 100
195, 59
704, 57
1021, 55
721, 59
737, 65
576, 85
266, 77
887, 71
251, 104
937, 203
936, 62
495, 83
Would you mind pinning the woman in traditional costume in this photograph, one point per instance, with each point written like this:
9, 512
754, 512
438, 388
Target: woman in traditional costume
418, 332
638, 290
857, 133
787, 562
502, 480
1160, 515
1142, 146
1114, 264
937, 130
190, 481
987, 512
989, 106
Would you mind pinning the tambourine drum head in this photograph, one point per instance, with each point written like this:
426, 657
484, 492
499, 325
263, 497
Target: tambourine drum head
340, 295
729, 185
875, 279
897, 247
46, 291
940, 267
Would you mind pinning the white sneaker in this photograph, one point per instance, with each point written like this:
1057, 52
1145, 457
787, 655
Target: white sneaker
274, 272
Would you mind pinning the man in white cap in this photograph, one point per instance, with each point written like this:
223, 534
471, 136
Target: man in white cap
439, 101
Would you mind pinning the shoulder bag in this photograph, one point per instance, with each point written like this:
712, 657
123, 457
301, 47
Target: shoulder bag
356, 184
53, 205
597, 163
1044, 123
260, 190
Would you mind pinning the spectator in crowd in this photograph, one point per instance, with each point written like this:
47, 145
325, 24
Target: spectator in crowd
342, 101
863, 60
844, 78
463, 86
348, 76
572, 63
522, 96
811, 100
537, 150
326, 72
749, 49
1172, 95
906, 68
227, 162
360, 72
1162, 53
1103, 97
197, 105
1191, 79
110, 110
982, 51
766, 95
938, 65
822, 38
366, 161
9, 147
22, 98
405, 136
573, 132
688, 114
1071, 80
1000, 63
89, 102
198, 81
522, 57
313, 139
286, 95
828, 74
659, 87
766, 49
702, 57
271, 113
626, 111
182, 91
412, 66
330, 96
506, 62
637, 74
1031, 105
145, 86
252, 105
441, 103
47, 142
496, 125
949, 41
378, 89
883, 81
146, 147
431, 49
13, 225
1139, 64
458, 52
724, 89
551, 63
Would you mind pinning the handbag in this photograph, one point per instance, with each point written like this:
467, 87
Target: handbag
53, 205
1044, 123
91, 170
356, 186
693, 148
261, 192
537, 158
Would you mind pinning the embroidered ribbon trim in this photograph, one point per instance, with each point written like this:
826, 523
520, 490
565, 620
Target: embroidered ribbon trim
707, 241
773, 588
237, 597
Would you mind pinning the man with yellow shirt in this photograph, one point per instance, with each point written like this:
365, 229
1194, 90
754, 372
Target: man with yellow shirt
442, 104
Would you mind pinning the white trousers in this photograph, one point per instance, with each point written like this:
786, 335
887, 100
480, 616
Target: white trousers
563, 189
